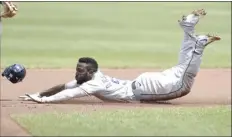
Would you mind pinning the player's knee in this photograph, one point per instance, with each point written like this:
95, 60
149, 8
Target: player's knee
188, 82
186, 88
185, 92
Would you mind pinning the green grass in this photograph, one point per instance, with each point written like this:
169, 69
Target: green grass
117, 34
209, 121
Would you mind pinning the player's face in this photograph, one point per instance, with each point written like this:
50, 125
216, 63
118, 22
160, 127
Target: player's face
82, 74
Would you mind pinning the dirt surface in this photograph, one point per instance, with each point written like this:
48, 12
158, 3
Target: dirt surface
212, 87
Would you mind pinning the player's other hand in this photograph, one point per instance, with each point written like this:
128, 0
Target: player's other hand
9, 9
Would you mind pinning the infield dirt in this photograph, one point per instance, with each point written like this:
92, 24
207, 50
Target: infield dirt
211, 87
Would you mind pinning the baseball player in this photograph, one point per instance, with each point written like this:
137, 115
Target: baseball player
169, 84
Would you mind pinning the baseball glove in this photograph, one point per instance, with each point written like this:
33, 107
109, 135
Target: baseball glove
9, 9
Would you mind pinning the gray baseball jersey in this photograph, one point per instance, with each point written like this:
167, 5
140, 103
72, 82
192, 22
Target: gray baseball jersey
106, 87
169, 84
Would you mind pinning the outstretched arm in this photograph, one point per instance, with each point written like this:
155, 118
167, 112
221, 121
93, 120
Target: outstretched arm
58, 88
72, 90
52, 91
64, 95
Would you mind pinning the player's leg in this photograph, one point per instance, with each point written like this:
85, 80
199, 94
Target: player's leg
188, 70
190, 56
193, 46
188, 24
161, 85
178, 80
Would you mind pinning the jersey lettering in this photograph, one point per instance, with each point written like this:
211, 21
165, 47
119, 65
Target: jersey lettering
104, 79
109, 81
114, 80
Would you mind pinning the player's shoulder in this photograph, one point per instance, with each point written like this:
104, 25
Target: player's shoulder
98, 75
97, 79
93, 85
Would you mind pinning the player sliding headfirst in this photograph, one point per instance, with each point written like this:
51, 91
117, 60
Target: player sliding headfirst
170, 84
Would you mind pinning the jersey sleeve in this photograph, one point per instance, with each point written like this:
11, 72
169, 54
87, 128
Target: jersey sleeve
71, 84
65, 95
92, 86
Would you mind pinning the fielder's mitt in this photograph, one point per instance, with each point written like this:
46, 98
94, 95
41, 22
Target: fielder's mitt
9, 9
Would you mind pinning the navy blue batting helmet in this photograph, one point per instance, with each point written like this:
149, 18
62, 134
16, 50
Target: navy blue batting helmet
15, 73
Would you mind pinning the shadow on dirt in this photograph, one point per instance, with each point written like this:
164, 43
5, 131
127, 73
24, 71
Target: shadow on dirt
89, 102
99, 102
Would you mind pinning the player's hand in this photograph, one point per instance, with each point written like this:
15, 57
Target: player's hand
9, 9
35, 98
26, 98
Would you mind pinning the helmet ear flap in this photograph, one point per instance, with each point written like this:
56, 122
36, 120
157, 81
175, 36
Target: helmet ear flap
6, 72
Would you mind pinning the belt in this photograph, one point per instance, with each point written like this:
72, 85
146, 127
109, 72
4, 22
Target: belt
136, 90
133, 85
